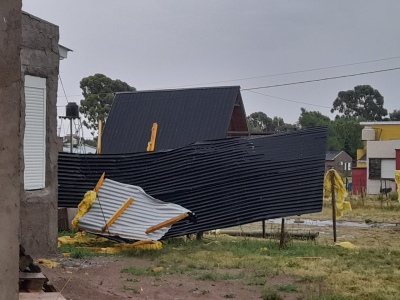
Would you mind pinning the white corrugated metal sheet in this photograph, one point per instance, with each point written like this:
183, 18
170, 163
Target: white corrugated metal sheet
35, 133
144, 212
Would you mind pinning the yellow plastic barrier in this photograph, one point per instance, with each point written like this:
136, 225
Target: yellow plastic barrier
83, 207
340, 192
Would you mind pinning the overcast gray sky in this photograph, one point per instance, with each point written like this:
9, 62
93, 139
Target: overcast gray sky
165, 44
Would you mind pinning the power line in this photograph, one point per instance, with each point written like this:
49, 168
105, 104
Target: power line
320, 79
289, 100
293, 72
279, 74
62, 85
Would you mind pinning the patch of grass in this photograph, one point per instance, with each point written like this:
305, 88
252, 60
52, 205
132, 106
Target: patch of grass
269, 294
81, 253
335, 297
214, 276
290, 287
229, 296
310, 278
69, 233
133, 279
371, 273
256, 281
131, 288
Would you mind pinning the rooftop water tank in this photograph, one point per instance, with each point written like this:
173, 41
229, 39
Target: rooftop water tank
368, 134
72, 111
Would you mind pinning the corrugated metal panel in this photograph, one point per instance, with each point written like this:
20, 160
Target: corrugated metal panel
183, 116
144, 212
224, 182
35, 133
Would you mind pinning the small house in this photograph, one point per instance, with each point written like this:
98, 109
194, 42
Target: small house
183, 116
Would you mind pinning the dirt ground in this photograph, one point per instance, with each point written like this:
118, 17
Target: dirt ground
100, 278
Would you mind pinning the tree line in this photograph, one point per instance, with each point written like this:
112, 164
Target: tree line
363, 103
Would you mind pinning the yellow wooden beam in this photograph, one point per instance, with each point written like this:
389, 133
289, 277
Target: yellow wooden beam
99, 183
117, 214
152, 143
166, 223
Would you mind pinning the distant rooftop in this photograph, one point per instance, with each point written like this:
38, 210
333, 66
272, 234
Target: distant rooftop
183, 116
330, 155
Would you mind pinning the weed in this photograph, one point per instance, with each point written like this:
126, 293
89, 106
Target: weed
229, 296
131, 288
269, 294
81, 253
333, 297
256, 281
293, 264
133, 279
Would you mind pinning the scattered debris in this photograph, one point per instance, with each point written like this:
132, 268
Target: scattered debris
33, 284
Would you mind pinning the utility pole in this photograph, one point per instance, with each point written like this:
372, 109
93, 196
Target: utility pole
11, 137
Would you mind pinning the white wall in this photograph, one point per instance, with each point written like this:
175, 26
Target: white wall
381, 149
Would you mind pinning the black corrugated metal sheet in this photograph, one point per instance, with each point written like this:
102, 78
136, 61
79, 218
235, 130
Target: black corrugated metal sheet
183, 116
224, 182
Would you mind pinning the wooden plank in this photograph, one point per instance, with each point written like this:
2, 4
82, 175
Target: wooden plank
117, 214
28, 275
100, 182
41, 296
32, 281
166, 223
151, 144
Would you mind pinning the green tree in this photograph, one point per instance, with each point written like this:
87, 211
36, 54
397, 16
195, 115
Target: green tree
346, 135
259, 121
363, 101
343, 133
395, 115
98, 92
312, 118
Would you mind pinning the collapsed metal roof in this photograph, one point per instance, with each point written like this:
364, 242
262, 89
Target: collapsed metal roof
144, 212
184, 116
224, 182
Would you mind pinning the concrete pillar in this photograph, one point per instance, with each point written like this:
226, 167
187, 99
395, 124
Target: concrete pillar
11, 133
